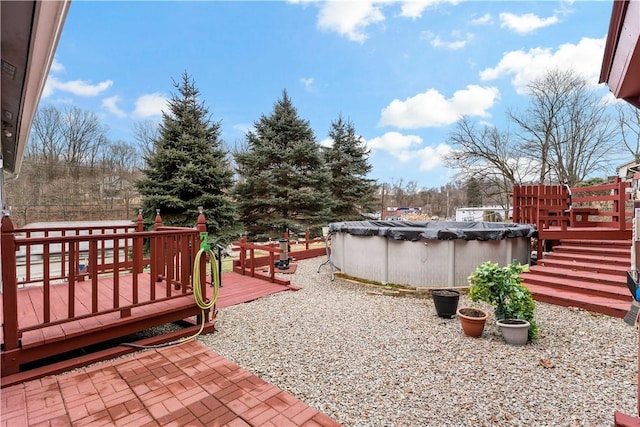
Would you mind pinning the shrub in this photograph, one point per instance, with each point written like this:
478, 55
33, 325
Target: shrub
502, 287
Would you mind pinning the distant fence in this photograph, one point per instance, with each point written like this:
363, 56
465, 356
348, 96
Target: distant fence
25, 214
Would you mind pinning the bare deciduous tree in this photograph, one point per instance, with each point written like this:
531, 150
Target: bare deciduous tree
67, 163
629, 126
146, 134
83, 137
565, 127
564, 135
490, 156
46, 141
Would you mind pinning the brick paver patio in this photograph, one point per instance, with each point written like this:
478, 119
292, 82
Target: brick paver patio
180, 385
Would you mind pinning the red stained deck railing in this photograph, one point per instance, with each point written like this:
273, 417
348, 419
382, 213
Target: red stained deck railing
69, 255
559, 212
248, 262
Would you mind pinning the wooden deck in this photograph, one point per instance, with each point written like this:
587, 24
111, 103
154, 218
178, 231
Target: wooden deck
64, 337
600, 212
591, 232
31, 314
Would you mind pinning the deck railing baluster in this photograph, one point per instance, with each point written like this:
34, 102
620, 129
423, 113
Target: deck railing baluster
73, 265
171, 254
116, 272
92, 265
27, 257
46, 283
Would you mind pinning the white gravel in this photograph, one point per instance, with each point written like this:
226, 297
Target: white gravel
371, 360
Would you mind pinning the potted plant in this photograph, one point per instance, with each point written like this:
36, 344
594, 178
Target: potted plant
514, 331
472, 321
446, 302
514, 305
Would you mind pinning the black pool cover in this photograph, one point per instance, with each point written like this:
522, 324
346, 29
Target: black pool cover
434, 230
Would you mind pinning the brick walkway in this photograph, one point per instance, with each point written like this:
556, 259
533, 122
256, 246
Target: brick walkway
181, 385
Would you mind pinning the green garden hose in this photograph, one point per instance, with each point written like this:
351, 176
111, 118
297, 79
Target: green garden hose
201, 302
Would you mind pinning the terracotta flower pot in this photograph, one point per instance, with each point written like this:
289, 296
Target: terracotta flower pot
514, 331
472, 321
446, 302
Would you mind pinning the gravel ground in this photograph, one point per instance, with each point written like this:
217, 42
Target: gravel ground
371, 360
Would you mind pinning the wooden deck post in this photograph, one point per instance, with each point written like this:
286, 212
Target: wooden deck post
243, 254
620, 207
540, 245
137, 245
9, 287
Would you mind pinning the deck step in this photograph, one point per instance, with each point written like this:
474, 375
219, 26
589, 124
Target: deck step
598, 243
569, 298
584, 249
577, 265
584, 273
592, 258
605, 289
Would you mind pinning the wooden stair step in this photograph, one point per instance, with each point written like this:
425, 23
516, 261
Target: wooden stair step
594, 250
618, 291
612, 243
594, 258
572, 264
569, 298
580, 275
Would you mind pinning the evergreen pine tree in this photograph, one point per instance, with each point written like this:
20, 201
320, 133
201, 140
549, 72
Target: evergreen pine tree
283, 183
188, 167
348, 162
474, 194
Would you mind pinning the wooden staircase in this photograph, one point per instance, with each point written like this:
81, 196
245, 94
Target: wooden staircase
589, 274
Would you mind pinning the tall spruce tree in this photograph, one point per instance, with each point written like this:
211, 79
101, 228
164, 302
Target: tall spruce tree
348, 162
474, 193
283, 182
188, 167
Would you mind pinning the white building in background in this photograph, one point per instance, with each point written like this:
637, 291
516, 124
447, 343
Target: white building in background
476, 214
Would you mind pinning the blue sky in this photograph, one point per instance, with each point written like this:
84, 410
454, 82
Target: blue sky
403, 72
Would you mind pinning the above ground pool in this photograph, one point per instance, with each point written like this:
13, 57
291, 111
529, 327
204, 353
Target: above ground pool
432, 254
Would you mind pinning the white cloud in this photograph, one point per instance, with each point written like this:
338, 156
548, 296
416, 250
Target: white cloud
110, 104
430, 157
76, 87
327, 142
432, 109
414, 8
308, 83
56, 67
349, 18
437, 42
585, 58
523, 24
482, 20
303, 2
396, 144
405, 148
150, 105
610, 99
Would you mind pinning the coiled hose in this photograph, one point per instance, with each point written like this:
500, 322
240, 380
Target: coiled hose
200, 300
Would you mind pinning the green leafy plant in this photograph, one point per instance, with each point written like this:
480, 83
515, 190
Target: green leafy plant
502, 287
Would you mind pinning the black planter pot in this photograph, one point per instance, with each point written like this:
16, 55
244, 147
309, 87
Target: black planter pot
446, 302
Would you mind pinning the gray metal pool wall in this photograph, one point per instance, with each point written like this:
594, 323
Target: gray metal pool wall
425, 263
